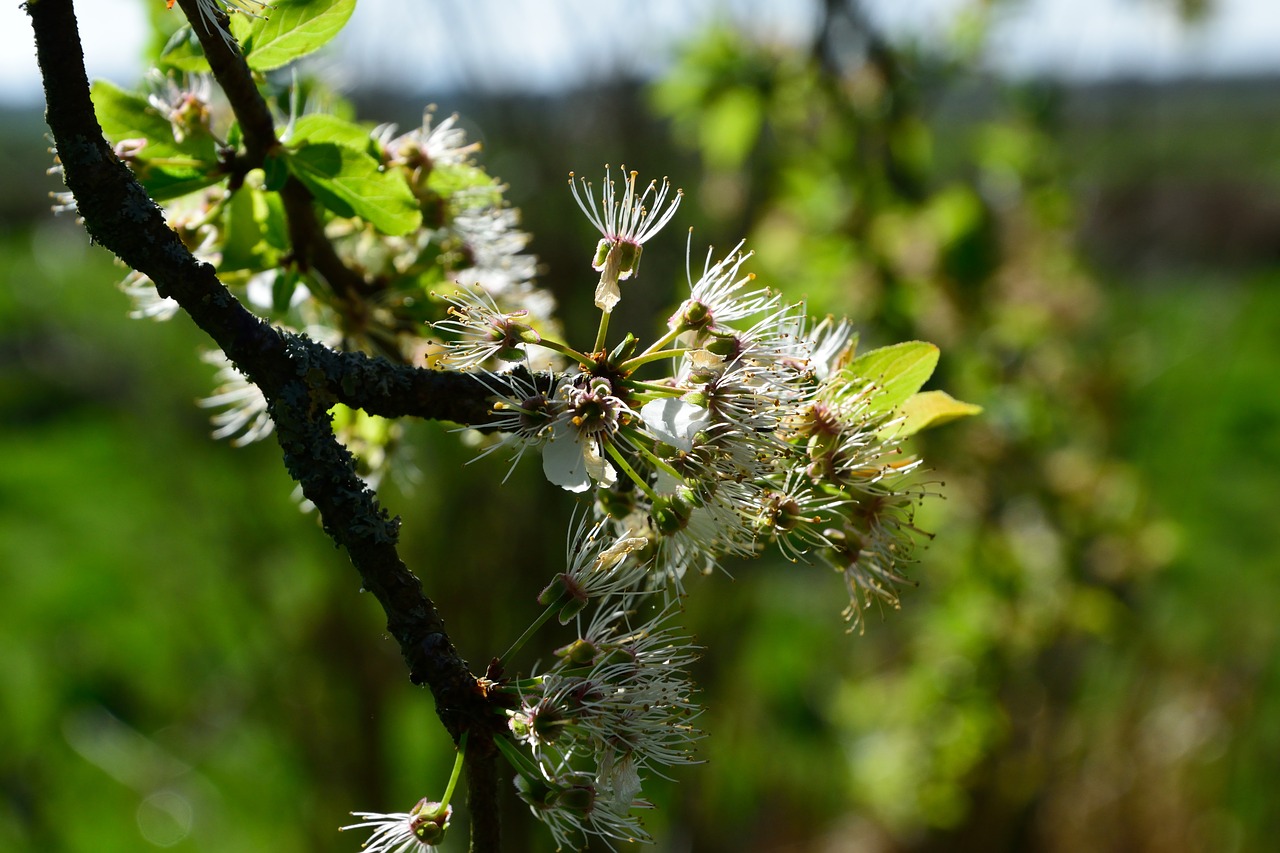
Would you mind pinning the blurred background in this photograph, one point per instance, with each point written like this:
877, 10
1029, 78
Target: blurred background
1079, 202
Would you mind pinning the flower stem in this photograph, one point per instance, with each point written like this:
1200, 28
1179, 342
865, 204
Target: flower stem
621, 462
658, 389
564, 349
603, 332
659, 462
457, 769
648, 356
537, 623
661, 342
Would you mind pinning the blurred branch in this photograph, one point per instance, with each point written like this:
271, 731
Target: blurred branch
300, 379
846, 19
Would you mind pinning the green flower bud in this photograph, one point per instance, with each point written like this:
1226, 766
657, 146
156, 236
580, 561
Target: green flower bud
671, 513
430, 820
724, 345
572, 608
629, 259
579, 798
692, 315
602, 254
580, 652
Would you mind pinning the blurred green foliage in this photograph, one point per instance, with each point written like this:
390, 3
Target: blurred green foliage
186, 659
1089, 662
1024, 699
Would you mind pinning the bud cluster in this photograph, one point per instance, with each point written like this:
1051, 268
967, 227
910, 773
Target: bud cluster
743, 425
464, 265
740, 426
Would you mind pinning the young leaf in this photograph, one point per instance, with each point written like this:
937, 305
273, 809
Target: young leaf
128, 115
289, 30
929, 409
275, 170
168, 168
268, 210
350, 183
183, 52
242, 232
319, 127
898, 371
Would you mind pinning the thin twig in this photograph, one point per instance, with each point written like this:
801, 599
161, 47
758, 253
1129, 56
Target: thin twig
310, 245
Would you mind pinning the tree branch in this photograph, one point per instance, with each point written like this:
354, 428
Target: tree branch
300, 379
311, 248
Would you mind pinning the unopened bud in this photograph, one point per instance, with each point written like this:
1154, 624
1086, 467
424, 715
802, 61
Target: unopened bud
671, 513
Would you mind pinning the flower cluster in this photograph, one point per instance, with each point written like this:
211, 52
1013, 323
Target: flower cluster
743, 425
464, 263
616, 702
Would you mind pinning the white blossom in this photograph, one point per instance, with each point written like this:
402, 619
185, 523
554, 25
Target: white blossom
414, 831
625, 225
244, 408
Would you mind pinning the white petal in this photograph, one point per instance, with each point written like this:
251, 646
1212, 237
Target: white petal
598, 466
563, 459
674, 421
608, 294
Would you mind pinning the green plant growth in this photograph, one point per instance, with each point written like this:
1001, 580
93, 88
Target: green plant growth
961, 721
353, 277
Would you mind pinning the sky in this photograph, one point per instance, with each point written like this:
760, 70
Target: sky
541, 45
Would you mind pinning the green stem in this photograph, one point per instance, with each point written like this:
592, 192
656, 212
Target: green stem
516, 686
658, 462
537, 623
661, 342
603, 332
658, 388
457, 769
621, 462
584, 360
646, 357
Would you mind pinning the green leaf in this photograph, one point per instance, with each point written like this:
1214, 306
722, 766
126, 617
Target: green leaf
275, 171
167, 167
241, 232
165, 182
268, 209
282, 289
351, 183
127, 115
930, 409
319, 127
450, 179
290, 30
898, 371
183, 52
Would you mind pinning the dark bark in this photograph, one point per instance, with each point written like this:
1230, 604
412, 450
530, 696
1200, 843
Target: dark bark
300, 378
